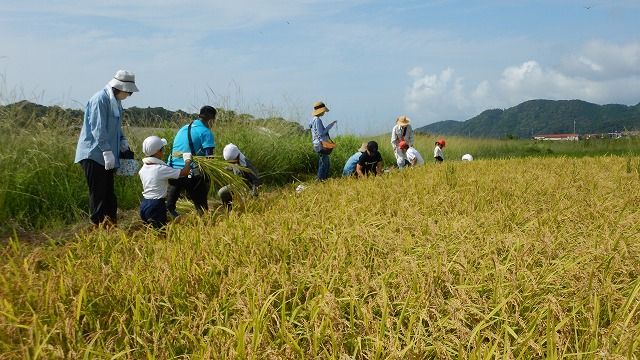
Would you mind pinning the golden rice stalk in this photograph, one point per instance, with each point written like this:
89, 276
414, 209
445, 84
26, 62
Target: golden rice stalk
217, 171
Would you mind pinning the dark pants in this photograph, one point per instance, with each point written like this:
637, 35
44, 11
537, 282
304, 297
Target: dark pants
154, 212
197, 189
102, 197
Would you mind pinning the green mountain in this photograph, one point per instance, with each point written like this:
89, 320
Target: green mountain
543, 117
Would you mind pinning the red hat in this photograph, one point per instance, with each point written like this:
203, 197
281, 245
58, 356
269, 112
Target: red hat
403, 144
441, 142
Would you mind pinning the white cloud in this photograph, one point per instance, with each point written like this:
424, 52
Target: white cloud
600, 60
601, 73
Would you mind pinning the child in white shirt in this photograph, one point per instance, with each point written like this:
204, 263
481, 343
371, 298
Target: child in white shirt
155, 175
437, 152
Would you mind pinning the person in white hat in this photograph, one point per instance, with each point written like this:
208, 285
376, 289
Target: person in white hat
100, 143
155, 175
402, 131
232, 154
467, 157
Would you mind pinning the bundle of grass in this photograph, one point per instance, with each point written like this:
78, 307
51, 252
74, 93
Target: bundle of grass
217, 170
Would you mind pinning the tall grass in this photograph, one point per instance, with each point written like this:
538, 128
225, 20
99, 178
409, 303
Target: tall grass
41, 188
521, 258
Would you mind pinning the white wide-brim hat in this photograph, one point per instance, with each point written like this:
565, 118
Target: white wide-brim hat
124, 80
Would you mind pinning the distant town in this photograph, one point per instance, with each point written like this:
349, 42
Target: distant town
575, 137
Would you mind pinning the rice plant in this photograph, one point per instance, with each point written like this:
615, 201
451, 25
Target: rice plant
502, 258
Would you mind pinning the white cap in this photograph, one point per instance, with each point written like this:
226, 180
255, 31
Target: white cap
230, 152
152, 144
467, 157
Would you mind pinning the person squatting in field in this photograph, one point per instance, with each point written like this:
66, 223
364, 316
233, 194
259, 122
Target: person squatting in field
350, 166
99, 145
155, 175
370, 161
413, 157
232, 154
402, 131
195, 138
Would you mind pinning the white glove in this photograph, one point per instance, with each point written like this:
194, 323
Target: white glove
109, 160
124, 145
186, 156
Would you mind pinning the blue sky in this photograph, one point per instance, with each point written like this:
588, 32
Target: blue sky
369, 61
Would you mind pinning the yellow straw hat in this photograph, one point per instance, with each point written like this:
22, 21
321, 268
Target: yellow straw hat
403, 121
319, 108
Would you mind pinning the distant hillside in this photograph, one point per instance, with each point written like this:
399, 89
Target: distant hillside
543, 117
26, 113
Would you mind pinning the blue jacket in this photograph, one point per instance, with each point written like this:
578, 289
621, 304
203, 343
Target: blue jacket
350, 166
101, 130
202, 138
318, 131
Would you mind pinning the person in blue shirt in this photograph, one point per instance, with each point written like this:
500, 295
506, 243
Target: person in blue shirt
195, 138
350, 166
320, 133
100, 143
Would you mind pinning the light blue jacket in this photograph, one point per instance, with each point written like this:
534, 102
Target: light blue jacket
101, 130
350, 165
319, 132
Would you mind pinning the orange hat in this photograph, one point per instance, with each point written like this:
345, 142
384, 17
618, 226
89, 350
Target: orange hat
403, 144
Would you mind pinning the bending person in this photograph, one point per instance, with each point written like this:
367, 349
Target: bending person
195, 138
232, 154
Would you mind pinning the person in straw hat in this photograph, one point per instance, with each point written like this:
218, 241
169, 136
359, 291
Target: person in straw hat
319, 133
402, 131
100, 143
350, 166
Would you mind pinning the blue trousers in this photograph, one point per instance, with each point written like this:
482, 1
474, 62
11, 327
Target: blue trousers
323, 166
154, 212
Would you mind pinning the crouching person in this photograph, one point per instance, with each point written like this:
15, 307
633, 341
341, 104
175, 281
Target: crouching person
155, 175
232, 154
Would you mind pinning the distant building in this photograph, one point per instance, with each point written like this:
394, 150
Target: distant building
611, 135
570, 137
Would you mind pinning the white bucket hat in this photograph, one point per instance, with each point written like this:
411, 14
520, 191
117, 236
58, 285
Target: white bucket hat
124, 80
152, 144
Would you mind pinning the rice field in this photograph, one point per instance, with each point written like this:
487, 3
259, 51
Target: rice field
525, 258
